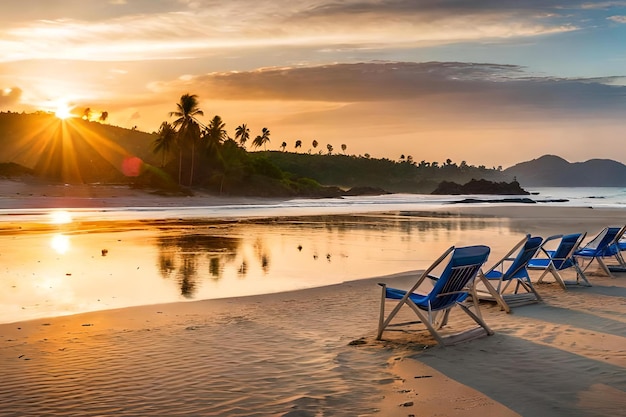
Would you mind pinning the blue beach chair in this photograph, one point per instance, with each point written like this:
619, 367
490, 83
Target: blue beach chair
560, 259
604, 245
498, 279
451, 288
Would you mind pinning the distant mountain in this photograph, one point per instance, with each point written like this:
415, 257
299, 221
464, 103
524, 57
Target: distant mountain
553, 171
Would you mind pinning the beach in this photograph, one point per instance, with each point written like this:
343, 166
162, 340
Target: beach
313, 352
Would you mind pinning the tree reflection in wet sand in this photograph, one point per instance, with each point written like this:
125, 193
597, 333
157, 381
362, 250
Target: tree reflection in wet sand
180, 254
191, 252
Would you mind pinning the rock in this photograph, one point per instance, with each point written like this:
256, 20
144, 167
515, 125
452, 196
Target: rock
480, 187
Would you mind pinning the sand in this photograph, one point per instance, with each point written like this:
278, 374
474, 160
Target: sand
313, 352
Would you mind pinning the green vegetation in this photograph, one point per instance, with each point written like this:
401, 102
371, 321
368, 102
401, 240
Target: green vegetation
186, 154
404, 176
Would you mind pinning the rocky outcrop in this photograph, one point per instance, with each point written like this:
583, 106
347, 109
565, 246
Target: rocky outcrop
480, 187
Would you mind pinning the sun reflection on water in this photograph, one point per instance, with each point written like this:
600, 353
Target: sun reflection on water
60, 243
60, 217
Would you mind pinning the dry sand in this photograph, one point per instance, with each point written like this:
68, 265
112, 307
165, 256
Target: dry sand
313, 353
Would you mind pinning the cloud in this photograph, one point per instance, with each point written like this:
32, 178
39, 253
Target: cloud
603, 5
10, 96
144, 29
617, 19
469, 85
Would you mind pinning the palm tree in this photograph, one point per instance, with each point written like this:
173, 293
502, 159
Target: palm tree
188, 128
243, 134
343, 148
330, 148
298, 144
165, 141
262, 139
215, 134
283, 146
103, 116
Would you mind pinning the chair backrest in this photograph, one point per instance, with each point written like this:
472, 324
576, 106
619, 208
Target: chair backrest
605, 238
619, 244
612, 246
518, 266
452, 285
562, 257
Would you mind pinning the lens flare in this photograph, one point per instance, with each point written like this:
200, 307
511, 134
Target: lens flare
131, 166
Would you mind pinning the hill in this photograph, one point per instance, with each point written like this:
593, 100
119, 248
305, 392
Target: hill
554, 171
81, 151
72, 151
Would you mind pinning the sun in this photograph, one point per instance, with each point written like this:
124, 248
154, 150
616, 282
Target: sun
63, 111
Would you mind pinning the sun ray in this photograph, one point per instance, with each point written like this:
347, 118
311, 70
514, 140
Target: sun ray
75, 151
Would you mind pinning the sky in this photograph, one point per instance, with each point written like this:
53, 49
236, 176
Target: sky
489, 82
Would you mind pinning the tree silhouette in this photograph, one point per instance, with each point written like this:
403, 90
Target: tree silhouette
298, 144
87, 113
262, 139
283, 146
330, 148
103, 116
165, 141
242, 133
188, 128
214, 135
344, 147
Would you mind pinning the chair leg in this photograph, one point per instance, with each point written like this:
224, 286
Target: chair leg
425, 320
494, 293
528, 285
558, 278
477, 318
545, 271
441, 318
605, 268
581, 275
381, 319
